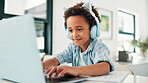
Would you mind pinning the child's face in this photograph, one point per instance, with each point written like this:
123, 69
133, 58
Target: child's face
79, 30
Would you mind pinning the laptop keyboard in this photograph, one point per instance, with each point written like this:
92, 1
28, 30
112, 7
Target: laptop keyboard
65, 79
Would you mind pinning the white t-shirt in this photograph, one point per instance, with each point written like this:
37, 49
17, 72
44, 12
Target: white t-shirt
81, 61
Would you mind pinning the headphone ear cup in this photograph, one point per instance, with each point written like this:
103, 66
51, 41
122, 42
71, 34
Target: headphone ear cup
98, 30
67, 32
93, 32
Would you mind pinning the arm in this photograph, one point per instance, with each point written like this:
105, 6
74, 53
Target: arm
50, 62
101, 68
65, 56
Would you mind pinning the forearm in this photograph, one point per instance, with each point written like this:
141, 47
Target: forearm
50, 62
94, 70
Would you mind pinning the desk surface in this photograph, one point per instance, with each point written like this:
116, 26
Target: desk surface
135, 79
137, 63
128, 79
137, 60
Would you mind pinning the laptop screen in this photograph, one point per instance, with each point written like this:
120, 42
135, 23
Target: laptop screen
19, 56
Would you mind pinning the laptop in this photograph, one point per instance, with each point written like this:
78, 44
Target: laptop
19, 56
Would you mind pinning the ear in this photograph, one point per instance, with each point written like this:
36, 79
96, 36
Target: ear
87, 5
64, 9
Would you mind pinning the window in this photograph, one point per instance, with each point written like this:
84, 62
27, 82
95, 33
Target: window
40, 35
1, 9
43, 21
126, 26
39, 12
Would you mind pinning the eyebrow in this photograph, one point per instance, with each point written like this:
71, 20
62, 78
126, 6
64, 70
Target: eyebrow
76, 27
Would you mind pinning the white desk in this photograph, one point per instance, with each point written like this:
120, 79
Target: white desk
138, 66
135, 79
128, 79
3, 81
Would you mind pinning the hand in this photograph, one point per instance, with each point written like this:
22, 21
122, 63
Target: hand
50, 62
60, 71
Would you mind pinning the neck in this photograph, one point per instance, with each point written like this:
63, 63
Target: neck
85, 46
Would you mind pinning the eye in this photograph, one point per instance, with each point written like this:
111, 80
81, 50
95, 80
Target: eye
80, 29
70, 30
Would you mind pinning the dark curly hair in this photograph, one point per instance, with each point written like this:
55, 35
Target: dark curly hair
82, 11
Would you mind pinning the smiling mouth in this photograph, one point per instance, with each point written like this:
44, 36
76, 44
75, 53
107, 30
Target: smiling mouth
77, 40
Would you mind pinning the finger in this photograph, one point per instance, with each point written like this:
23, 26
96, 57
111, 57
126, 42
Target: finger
53, 70
59, 69
67, 72
63, 72
55, 76
48, 70
57, 72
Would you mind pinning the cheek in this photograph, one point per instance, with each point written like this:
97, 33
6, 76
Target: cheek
87, 35
70, 35
84, 35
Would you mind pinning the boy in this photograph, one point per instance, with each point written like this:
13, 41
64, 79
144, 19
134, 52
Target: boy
89, 56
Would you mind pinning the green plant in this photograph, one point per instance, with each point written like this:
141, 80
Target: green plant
142, 44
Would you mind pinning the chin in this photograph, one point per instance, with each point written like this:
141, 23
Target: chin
77, 44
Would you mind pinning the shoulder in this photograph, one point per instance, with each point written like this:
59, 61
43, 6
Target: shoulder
98, 45
72, 46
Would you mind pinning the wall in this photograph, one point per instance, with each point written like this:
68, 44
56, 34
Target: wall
60, 42
18, 6
14, 7
33, 3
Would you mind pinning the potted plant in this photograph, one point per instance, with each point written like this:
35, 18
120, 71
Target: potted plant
142, 45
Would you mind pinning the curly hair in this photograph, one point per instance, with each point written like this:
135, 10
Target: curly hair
82, 11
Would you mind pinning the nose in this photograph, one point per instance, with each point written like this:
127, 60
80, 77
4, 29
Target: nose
75, 34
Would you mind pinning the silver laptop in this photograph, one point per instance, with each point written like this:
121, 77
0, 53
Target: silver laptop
19, 56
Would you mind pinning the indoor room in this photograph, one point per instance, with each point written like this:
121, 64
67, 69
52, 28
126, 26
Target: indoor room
123, 29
